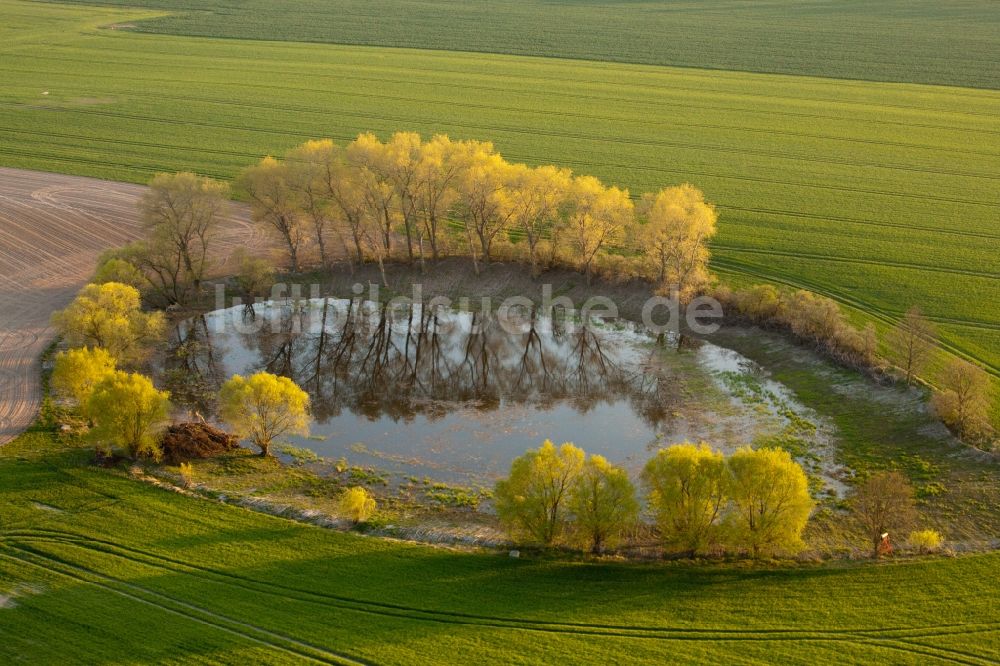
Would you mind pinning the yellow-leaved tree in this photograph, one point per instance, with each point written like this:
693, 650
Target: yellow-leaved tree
482, 186
109, 316
357, 504
274, 204
342, 192
401, 160
686, 487
76, 372
602, 503
679, 224
534, 198
263, 407
366, 157
597, 218
437, 173
771, 502
113, 268
531, 502
127, 410
309, 170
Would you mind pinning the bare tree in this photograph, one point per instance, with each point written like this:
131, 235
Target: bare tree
181, 213
964, 401
912, 341
883, 504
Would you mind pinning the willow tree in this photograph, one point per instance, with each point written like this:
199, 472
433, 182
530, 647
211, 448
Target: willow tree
771, 502
481, 189
263, 407
366, 155
346, 197
678, 226
438, 171
602, 503
308, 168
116, 266
686, 487
357, 504
254, 276
128, 411
534, 198
76, 372
371, 235
400, 164
181, 213
964, 400
273, 203
597, 219
109, 316
162, 271
532, 501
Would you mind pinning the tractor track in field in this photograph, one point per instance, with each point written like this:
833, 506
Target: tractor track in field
521, 78
724, 265
989, 275
30, 543
512, 129
299, 108
52, 229
465, 86
186, 610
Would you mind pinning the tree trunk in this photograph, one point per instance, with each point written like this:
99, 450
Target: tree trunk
322, 249
381, 268
432, 239
357, 247
486, 248
472, 251
409, 240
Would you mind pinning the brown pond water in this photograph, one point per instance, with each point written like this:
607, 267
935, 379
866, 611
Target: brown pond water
455, 396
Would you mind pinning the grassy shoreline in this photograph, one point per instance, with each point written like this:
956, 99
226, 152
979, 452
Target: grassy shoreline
165, 575
202, 579
877, 427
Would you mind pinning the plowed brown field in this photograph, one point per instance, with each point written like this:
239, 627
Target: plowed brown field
52, 229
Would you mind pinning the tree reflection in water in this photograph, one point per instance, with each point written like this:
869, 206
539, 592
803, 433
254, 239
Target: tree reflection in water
399, 362
430, 390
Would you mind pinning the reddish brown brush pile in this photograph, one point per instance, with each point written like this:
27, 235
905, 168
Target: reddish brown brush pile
184, 441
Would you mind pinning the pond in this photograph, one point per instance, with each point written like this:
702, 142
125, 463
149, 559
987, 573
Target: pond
454, 396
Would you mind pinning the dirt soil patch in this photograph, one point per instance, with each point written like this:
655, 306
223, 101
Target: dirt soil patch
184, 441
52, 229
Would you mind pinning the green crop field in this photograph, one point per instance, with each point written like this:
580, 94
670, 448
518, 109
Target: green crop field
916, 41
99, 568
836, 166
879, 195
